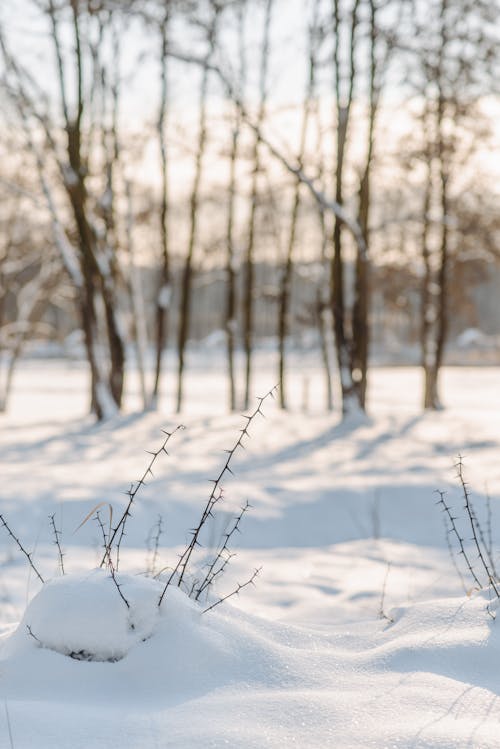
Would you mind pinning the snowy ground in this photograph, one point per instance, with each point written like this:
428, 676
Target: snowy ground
344, 524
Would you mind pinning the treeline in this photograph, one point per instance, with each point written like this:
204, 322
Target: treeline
175, 135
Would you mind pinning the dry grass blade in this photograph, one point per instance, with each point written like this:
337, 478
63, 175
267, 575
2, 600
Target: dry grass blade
92, 513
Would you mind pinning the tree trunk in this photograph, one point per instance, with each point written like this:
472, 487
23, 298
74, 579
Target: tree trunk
343, 344
435, 351
231, 307
286, 280
248, 301
187, 274
360, 323
164, 289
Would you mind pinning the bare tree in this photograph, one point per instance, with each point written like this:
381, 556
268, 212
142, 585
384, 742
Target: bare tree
249, 290
164, 293
97, 276
451, 80
231, 304
286, 278
187, 273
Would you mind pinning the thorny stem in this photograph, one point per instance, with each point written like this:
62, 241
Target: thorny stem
118, 586
132, 493
212, 572
155, 545
235, 592
215, 495
21, 548
57, 542
452, 555
103, 530
454, 530
473, 523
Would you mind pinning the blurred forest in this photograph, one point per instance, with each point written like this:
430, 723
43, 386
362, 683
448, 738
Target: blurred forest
248, 170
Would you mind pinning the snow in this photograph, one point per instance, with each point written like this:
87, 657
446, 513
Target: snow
357, 633
83, 616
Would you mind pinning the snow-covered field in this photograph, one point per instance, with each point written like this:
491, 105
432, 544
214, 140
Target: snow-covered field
358, 632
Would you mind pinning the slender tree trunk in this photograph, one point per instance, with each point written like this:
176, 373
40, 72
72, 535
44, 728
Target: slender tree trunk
248, 301
322, 291
99, 276
137, 300
435, 350
350, 401
427, 299
187, 274
286, 279
231, 307
164, 290
361, 304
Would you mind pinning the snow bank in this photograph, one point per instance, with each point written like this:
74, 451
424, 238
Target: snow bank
231, 679
83, 616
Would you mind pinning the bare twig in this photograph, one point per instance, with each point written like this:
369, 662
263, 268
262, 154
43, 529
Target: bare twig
9, 727
118, 586
32, 634
132, 493
223, 554
234, 592
449, 530
489, 534
215, 496
382, 614
153, 545
21, 548
488, 525
474, 524
102, 528
453, 529
57, 541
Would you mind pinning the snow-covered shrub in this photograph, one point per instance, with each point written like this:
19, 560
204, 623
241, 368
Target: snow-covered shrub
103, 614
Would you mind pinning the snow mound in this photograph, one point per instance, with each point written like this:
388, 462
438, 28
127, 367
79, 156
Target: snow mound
84, 617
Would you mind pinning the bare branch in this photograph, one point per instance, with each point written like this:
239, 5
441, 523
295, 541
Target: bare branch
21, 548
215, 496
234, 592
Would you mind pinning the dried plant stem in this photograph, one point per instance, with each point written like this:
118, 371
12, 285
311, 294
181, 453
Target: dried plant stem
32, 634
473, 523
57, 542
215, 495
234, 592
220, 560
449, 530
489, 527
489, 536
21, 548
155, 545
102, 529
112, 572
119, 529
454, 530
9, 727
382, 613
